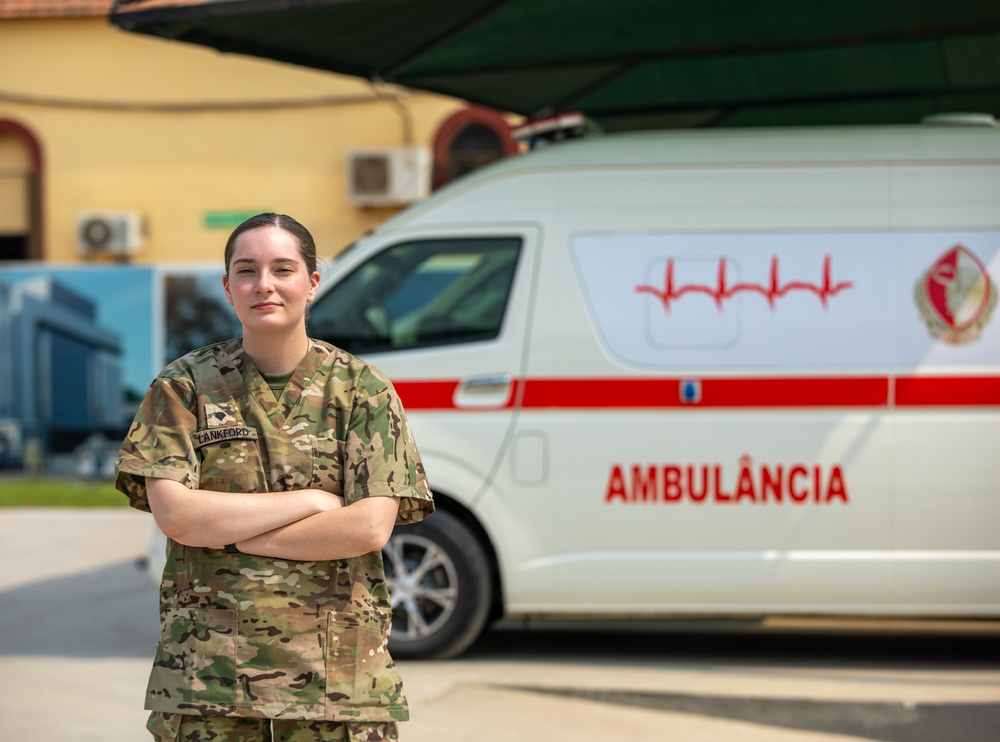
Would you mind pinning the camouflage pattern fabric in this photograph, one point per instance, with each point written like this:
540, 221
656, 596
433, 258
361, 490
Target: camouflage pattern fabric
248, 636
182, 728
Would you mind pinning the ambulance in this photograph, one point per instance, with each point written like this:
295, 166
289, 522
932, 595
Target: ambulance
736, 374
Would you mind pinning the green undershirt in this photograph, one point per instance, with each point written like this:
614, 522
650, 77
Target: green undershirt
277, 382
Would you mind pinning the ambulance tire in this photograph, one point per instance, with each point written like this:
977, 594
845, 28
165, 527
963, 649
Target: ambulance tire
440, 582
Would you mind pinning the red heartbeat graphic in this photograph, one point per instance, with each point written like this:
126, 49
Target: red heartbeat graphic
721, 292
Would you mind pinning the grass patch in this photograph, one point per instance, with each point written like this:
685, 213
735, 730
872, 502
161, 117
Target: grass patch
59, 493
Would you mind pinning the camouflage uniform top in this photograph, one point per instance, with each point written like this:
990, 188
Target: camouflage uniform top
252, 636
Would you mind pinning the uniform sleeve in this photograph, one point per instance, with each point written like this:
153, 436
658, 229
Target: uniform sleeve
381, 455
159, 441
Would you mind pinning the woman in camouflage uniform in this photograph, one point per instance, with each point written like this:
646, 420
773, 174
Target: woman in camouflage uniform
277, 466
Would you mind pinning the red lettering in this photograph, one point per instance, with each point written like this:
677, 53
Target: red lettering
772, 481
696, 494
643, 488
797, 472
744, 485
616, 486
706, 482
836, 487
720, 494
672, 489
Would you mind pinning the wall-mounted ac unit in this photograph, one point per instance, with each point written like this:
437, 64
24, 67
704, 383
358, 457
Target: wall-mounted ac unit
117, 234
388, 176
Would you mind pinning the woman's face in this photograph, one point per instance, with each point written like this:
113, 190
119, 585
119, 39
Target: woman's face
268, 283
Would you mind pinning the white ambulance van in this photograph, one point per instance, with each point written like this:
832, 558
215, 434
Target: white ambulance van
722, 373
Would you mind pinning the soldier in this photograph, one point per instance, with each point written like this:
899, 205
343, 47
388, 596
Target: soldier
277, 466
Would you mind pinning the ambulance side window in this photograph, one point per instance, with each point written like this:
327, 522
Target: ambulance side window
420, 294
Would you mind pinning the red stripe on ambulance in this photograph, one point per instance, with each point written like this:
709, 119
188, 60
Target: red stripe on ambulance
848, 391
728, 392
948, 391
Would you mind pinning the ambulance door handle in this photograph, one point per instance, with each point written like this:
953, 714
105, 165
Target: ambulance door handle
484, 391
487, 383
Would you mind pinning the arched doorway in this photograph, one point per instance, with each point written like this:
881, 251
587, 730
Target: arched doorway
20, 193
469, 139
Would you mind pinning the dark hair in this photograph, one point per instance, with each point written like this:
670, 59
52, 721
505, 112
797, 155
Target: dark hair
307, 246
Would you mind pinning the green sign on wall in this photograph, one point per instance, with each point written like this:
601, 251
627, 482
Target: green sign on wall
227, 219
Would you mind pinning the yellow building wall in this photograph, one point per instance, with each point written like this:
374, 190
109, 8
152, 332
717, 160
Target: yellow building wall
179, 133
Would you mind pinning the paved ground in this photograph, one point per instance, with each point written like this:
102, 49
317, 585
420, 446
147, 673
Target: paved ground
77, 625
78, 628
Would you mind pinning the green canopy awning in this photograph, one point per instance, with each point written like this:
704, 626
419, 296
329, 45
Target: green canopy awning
631, 64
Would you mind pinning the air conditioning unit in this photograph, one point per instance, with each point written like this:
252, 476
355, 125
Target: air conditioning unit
116, 234
388, 176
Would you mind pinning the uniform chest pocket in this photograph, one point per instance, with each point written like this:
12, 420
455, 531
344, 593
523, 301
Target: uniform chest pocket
232, 465
328, 464
228, 450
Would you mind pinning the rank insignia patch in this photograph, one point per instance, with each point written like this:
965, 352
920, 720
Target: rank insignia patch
218, 416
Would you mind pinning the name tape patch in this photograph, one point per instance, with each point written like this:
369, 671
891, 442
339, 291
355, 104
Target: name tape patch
217, 435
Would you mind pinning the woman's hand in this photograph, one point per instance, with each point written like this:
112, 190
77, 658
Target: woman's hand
327, 501
362, 527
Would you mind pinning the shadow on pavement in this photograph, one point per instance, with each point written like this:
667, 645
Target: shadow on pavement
693, 643
644, 644
886, 722
105, 613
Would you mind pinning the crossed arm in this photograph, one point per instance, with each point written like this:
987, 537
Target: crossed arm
304, 525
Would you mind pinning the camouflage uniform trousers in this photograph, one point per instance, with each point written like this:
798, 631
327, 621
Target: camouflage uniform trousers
184, 728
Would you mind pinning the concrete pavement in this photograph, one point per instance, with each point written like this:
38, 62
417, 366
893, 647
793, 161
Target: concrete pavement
78, 629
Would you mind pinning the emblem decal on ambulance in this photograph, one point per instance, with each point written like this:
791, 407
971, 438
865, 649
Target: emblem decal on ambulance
956, 296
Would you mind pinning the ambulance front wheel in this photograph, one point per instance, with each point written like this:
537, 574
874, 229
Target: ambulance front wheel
439, 581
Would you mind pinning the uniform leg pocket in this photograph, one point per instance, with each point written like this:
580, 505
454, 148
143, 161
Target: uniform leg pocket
196, 659
360, 674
